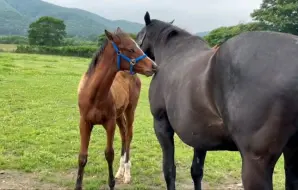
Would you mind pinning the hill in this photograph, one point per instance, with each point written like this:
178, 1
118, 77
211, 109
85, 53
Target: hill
202, 34
15, 17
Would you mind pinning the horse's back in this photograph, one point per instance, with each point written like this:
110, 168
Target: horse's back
256, 74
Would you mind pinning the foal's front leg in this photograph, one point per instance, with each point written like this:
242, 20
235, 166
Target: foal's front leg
197, 168
165, 136
109, 151
85, 132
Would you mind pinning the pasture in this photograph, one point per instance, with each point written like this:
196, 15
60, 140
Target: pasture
40, 135
8, 47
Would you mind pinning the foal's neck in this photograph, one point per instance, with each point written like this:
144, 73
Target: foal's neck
103, 76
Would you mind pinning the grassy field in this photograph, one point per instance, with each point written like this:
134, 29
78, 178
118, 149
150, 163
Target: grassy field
39, 131
8, 47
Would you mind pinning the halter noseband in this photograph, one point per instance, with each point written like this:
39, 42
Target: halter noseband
132, 62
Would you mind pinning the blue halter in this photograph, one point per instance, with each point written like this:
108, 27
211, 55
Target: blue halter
132, 62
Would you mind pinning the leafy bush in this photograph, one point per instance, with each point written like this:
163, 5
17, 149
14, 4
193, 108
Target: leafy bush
78, 42
78, 51
220, 35
13, 40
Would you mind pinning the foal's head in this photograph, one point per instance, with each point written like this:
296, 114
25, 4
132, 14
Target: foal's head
129, 55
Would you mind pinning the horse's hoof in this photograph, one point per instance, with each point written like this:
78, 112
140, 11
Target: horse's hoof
127, 179
78, 188
119, 174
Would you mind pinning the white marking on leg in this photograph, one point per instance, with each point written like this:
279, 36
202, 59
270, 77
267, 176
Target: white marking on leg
121, 169
127, 176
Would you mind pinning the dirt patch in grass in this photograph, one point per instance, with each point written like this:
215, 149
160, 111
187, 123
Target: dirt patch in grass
10, 179
19, 180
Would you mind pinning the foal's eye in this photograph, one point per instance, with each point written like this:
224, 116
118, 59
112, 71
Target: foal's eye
131, 50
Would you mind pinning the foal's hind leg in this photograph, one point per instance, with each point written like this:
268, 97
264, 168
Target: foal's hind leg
291, 163
85, 132
130, 114
165, 135
109, 151
197, 168
122, 125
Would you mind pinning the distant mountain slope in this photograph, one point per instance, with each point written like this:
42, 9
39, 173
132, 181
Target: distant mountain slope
16, 15
202, 34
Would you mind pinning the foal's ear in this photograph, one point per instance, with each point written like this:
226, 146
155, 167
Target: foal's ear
172, 21
147, 18
109, 35
118, 30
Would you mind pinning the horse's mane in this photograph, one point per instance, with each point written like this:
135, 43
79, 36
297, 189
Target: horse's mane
96, 57
168, 31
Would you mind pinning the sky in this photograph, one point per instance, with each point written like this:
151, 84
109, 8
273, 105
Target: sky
192, 15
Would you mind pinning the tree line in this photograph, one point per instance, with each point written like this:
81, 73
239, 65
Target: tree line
273, 15
48, 34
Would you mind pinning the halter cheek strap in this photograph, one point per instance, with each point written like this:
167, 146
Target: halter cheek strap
132, 62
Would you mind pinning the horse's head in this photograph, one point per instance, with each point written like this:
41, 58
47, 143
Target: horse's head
129, 55
145, 36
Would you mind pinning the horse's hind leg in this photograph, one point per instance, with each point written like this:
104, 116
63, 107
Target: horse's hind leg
260, 150
85, 132
291, 163
109, 151
257, 170
122, 125
130, 114
197, 168
165, 135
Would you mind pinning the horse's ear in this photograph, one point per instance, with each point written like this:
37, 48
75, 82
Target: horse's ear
172, 21
147, 18
118, 30
109, 35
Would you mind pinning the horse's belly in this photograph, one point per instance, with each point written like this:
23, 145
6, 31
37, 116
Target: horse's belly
203, 136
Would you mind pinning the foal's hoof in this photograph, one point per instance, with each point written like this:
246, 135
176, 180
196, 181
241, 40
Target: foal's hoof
127, 179
120, 173
119, 176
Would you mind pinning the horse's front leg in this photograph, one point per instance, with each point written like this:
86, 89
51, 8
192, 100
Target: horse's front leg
85, 132
165, 136
109, 151
197, 168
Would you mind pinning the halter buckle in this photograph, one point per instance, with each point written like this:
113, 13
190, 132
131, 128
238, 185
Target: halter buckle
132, 62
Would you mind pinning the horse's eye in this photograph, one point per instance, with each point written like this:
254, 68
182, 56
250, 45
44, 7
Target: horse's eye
131, 50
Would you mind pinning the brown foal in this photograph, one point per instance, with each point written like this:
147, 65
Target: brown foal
108, 95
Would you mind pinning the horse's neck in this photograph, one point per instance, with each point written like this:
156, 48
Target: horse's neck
102, 78
175, 48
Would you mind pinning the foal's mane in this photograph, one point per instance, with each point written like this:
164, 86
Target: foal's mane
96, 57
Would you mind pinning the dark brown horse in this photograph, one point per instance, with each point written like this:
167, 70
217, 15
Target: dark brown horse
243, 96
107, 96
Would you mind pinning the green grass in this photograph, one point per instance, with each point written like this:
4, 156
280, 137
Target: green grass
39, 130
8, 47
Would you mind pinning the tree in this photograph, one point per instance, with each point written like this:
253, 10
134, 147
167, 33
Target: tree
220, 35
279, 15
47, 31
